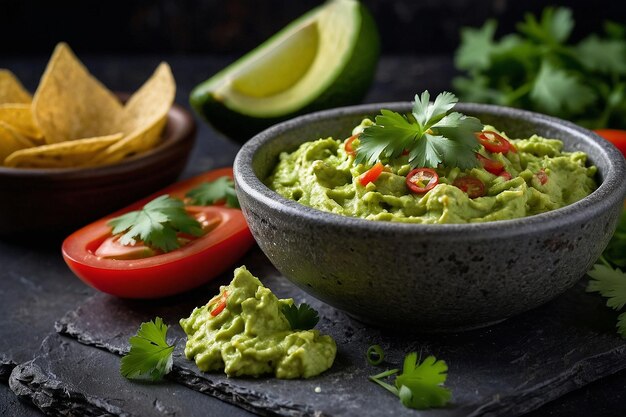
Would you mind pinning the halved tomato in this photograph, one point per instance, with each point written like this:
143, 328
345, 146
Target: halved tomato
161, 274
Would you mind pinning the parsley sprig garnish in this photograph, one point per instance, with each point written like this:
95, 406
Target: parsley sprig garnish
303, 317
150, 357
207, 193
156, 224
539, 68
608, 279
420, 385
430, 134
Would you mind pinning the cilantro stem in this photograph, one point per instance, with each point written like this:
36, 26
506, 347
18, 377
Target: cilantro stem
388, 387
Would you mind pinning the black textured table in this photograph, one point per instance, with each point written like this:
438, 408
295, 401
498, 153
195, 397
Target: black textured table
507, 370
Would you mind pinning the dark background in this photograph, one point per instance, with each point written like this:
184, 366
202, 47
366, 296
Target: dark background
408, 27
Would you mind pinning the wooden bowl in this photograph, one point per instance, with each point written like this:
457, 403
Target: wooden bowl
60, 200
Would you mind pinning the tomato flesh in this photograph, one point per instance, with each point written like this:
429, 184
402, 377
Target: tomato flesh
542, 176
616, 137
490, 165
163, 274
493, 142
422, 180
473, 187
371, 174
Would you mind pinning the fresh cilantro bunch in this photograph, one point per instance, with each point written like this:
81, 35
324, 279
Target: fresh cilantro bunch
303, 317
150, 357
430, 134
208, 193
539, 69
608, 279
420, 385
156, 224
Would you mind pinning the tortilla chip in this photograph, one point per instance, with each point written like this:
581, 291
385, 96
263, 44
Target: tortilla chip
20, 117
11, 90
71, 104
76, 153
144, 115
11, 141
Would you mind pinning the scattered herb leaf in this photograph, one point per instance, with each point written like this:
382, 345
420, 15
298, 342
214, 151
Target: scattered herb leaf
156, 224
375, 355
539, 68
606, 276
303, 317
208, 193
420, 385
150, 357
430, 134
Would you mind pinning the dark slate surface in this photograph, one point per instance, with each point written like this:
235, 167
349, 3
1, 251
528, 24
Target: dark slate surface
53, 384
505, 370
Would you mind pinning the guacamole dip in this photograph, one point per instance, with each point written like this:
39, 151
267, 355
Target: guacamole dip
533, 176
243, 331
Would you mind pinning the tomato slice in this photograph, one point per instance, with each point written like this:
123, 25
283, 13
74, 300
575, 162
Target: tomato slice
422, 180
473, 187
490, 165
163, 274
616, 137
348, 146
493, 142
371, 174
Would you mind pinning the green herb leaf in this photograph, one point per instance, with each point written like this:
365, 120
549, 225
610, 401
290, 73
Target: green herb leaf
303, 317
435, 137
156, 224
209, 193
150, 357
555, 26
476, 47
610, 283
420, 385
603, 55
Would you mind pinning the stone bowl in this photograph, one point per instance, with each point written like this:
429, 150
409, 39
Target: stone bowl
429, 277
60, 200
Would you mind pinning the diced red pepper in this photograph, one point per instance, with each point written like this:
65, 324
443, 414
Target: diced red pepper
221, 305
542, 176
371, 174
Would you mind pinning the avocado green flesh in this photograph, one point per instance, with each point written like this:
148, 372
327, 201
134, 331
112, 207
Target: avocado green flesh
251, 336
320, 174
335, 80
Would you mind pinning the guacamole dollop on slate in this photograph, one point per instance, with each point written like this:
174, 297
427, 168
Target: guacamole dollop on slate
322, 175
251, 336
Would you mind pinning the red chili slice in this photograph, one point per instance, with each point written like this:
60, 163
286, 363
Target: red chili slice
493, 141
542, 176
348, 146
490, 165
371, 174
473, 187
221, 305
422, 180
505, 175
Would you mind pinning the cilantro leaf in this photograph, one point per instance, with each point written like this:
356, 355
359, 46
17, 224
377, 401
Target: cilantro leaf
420, 385
209, 193
610, 283
303, 317
435, 137
555, 26
156, 224
150, 357
476, 47
603, 55
557, 92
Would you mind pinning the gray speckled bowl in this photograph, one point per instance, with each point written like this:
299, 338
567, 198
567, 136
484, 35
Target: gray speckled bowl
431, 277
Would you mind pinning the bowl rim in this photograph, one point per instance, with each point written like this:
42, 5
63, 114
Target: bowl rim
610, 191
184, 129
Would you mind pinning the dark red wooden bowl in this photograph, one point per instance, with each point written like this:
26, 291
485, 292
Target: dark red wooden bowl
60, 200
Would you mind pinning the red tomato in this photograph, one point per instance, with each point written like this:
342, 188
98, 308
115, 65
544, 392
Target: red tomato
473, 187
493, 142
348, 146
490, 165
371, 174
163, 274
421, 180
616, 137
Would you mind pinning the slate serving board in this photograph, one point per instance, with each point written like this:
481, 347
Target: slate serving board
505, 370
